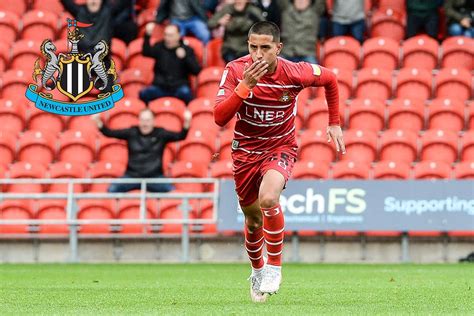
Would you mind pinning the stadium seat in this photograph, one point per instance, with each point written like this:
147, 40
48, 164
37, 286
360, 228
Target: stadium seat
4, 56
348, 169
317, 118
130, 209
197, 46
83, 123
119, 53
37, 146
344, 80
439, 145
420, 52
464, 170
26, 170
95, 209
77, 146
199, 146
341, 52
9, 23
380, 53
135, 57
52, 210
48, 5
225, 143
213, 53
169, 155
39, 25
14, 83
168, 113
203, 113
406, 114
189, 169
24, 55
388, 23
413, 83
133, 80
453, 83
222, 169
373, 83
147, 15
457, 52
396, 5
112, 149
170, 209
391, 170
367, 114
361, 145
15, 210
314, 146
208, 81
470, 116
7, 147
205, 210
467, 146
12, 115
125, 113
427, 170
18, 7
104, 169
306, 169
40, 120
446, 114
66, 170
398, 145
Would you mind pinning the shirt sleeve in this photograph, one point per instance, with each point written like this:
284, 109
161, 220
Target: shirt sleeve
171, 136
116, 133
227, 101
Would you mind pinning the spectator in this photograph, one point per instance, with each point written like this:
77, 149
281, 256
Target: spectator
348, 17
189, 15
299, 29
422, 14
125, 25
237, 19
174, 62
460, 15
271, 9
146, 144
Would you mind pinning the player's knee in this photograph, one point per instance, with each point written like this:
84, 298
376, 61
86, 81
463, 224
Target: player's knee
253, 223
268, 200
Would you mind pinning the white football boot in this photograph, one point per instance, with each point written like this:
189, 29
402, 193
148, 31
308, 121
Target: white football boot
271, 280
255, 281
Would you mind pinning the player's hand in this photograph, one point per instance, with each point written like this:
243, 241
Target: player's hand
225, 19
187, 118
150, 26
180, 52
254, 72
98, 120
334, 133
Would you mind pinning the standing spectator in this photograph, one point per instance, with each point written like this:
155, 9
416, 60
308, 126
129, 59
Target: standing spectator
237, 19
146, 144
460, 15
348, 17
189, 15
125, 25
271, 9
422, 14
174, 62
299, 29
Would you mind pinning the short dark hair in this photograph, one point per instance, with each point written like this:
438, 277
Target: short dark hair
266, 28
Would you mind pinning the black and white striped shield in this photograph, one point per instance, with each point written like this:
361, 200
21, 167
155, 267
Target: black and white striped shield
75, 81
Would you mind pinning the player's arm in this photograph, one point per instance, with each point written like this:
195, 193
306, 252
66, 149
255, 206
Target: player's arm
231, 94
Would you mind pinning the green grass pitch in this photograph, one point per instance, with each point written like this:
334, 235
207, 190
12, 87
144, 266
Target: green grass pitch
222, 289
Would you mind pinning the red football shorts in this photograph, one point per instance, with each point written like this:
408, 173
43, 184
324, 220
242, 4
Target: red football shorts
249, 175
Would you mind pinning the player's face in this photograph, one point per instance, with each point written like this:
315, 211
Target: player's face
146, 122
262, 47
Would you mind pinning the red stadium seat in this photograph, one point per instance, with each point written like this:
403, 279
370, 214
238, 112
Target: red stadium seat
125, 113
38, 25
420, 52
458, 52
135, 57
48, 5
305, 169
222, 169
12, 115
4, 56
18, 7
133, 80
315, 147
66, 170
341, 52
119, 53
82, 123
464, 170
413, 83
130, 209
189, 169
168, 113
213, 53
406, 114
205, 210
208, 81
14, 83
374, 84
112, 149
24, 55
446, 114
37, 146
467, 146
105, 169
381, 53
367, 114
95, 209
26, 170
52, 210
432, 170
40, 120
396, 5
317, 118
148, 15
225, 143
470, 116
439, 145
77, 146
388, 23
9, 22
453, 83
391, 170
361, 145
344, 80
197, 46
15, 210
7, 147
169, 155
348, 169
170, 209
199, 146
398, 145
203, 113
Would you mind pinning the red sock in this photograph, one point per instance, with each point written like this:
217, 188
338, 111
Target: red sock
254, 246
273, 230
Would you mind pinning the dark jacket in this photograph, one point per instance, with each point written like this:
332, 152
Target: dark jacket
456, 10
170, 71
145, 152
165, 9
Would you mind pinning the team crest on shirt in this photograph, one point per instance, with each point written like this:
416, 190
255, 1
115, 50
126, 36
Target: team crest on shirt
285, 97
